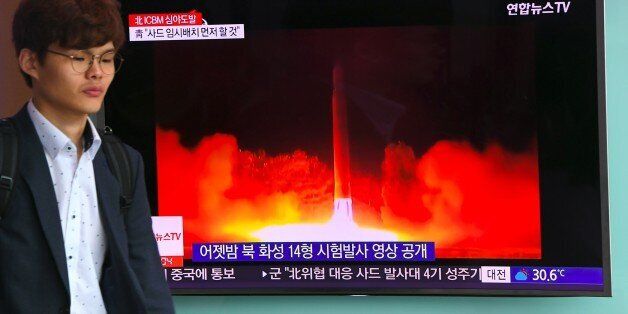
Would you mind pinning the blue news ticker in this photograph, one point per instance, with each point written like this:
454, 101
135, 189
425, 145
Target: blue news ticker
313, 251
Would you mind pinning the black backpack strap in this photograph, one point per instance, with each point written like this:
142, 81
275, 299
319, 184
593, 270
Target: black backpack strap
8, 161
120, 165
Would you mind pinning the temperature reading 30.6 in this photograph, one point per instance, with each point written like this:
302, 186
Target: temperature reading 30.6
547, 275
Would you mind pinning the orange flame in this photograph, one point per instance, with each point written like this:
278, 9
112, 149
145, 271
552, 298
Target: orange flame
472, 204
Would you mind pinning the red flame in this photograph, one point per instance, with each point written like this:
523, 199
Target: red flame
472, 204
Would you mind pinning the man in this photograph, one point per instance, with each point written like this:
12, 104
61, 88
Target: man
65, 244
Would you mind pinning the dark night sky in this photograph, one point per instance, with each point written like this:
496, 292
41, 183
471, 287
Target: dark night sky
273, 89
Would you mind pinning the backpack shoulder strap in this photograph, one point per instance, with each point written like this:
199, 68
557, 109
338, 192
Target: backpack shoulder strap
8, 161
120, 164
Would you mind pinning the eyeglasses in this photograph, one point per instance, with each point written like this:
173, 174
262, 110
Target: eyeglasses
109, 62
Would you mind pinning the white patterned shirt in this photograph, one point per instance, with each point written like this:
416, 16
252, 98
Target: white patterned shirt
75, 188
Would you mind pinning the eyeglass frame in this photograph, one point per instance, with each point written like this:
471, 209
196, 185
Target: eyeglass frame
91, 62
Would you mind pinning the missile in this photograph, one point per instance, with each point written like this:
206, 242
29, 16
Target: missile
342, 176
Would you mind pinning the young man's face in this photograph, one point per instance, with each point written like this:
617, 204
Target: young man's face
61, 86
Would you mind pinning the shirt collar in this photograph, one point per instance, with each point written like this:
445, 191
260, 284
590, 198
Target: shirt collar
55, 141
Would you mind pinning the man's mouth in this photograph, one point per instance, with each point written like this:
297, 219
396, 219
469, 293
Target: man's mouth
93, 91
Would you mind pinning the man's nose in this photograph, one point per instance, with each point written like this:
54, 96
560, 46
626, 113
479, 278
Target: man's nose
95, 70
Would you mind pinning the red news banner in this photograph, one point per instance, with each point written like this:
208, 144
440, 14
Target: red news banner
171, 261
165, 19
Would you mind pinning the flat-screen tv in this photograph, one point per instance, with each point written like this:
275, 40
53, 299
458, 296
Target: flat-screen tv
371, 147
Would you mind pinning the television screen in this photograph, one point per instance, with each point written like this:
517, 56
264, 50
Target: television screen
370, 147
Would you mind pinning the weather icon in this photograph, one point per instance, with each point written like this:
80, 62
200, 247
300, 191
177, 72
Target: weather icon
522, 275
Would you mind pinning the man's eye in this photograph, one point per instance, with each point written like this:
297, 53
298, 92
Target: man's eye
107, 60
79, 59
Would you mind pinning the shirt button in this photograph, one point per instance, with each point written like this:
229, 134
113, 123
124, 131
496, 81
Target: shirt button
70, 257
73, 216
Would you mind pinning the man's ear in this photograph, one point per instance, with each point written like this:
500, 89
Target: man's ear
29, 63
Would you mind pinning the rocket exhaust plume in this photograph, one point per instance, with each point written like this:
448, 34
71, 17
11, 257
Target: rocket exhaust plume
341, 226
343, 209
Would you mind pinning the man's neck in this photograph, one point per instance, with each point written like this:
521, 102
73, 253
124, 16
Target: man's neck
72, 124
